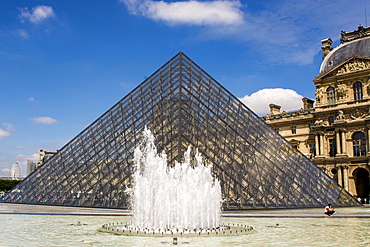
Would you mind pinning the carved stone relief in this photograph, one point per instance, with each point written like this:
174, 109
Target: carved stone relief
340, 115
354, 65
324, 168
342, 92
330, 133
368, 87
319, 95
358, 114
319, 122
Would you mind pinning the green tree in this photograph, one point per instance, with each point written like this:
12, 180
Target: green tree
8, 184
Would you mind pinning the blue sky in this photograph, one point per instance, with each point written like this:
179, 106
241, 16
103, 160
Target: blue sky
64, 63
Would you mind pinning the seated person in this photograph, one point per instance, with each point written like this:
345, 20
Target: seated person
329, 210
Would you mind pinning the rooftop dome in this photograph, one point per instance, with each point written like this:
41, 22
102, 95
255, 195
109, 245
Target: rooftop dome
356, 43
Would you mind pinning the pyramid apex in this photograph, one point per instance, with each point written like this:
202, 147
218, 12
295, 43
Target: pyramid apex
180, 54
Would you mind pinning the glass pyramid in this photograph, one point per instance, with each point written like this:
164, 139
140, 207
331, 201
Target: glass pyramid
182, 105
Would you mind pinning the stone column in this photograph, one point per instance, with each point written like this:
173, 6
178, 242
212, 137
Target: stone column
344, 150
321, 144
345, 177
337, 137
339, 171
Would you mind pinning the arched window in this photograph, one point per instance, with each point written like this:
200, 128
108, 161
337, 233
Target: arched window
357, 91
361, 177
330, 93
359, 144
332, 147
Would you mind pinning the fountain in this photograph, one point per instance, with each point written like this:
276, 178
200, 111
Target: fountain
183, 200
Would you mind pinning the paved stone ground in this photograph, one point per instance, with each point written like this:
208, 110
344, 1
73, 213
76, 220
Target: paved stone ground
9, 208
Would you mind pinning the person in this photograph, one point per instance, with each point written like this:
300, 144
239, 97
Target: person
329, 210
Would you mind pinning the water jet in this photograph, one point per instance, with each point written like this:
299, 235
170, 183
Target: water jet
178, 201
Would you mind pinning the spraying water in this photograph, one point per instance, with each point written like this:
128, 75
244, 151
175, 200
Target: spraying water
185, 196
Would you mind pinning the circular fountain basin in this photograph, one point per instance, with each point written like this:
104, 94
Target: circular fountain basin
223, 230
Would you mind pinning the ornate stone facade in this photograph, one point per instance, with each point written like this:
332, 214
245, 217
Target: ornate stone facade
335, 133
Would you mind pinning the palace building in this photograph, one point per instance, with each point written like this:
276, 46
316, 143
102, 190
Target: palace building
335, 132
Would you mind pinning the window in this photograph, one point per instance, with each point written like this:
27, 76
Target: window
359, 144
333, 147
313, 149
331, 120
357, 91
330, 93
294, 129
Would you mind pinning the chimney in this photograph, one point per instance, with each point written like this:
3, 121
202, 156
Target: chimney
326, 47
274, 109
307, 103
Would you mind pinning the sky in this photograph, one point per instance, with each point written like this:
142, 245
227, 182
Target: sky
64, 63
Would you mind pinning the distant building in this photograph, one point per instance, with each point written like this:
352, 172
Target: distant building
335, 133
31, 166
44, 156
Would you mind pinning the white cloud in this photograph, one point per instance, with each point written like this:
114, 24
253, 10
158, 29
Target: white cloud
23, 33
44, 120
24, 157
259, 101
5, 172
4, 133
37, 14
200, 13
32, 99
285, 31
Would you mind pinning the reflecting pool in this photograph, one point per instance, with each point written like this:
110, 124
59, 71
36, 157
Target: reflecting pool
300, 230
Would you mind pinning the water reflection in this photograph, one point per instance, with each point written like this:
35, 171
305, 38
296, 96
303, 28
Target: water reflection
64, 230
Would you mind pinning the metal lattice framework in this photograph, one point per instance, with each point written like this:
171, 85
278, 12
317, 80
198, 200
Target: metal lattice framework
182, 105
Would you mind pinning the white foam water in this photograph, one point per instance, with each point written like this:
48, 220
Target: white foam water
185, 196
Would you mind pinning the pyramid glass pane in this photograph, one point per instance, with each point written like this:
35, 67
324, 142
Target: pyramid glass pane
182, 105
